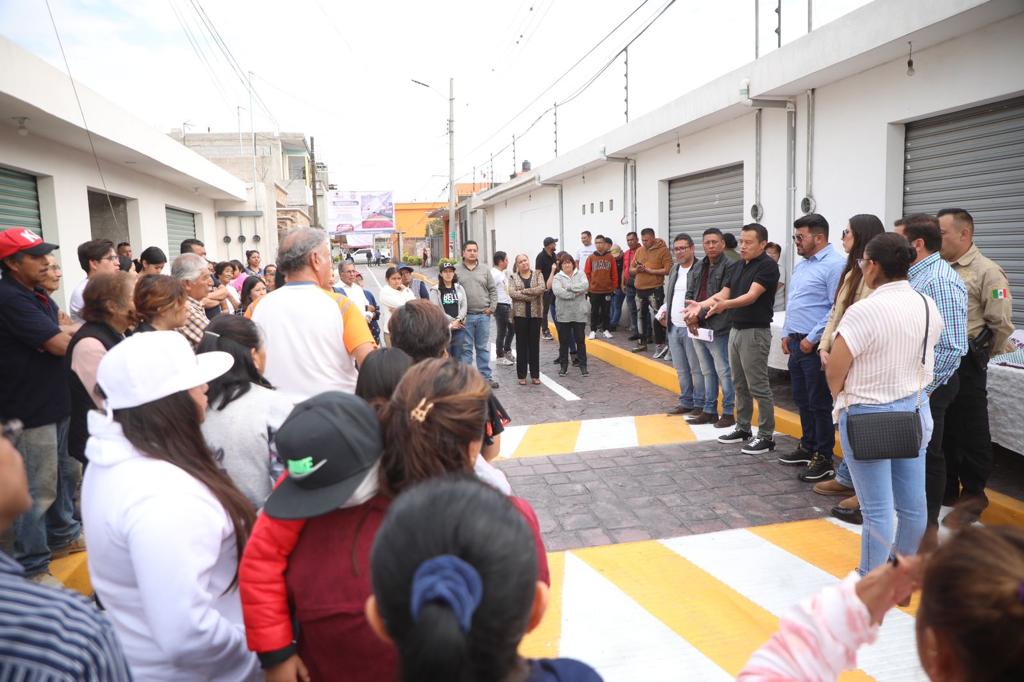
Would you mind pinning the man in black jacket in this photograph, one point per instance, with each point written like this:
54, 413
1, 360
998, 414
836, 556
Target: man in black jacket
704, 280
545, 262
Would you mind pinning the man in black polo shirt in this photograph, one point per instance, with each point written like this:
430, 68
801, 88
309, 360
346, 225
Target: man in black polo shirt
750, 294
34, 388
544, 262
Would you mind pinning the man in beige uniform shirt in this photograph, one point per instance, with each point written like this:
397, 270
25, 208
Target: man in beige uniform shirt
966, 442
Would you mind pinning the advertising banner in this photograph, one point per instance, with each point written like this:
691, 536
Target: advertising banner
351, 212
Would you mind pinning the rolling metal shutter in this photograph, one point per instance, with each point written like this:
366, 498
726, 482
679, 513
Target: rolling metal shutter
974, 160
712, 199
181, 225
19, 201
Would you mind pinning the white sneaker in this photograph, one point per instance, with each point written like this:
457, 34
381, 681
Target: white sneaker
607, 334
504, 361
591, 335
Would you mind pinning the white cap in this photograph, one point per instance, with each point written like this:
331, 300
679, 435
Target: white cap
153, 365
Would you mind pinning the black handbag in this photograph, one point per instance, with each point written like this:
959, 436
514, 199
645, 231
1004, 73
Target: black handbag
889, 435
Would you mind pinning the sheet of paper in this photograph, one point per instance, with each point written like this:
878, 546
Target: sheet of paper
702, 334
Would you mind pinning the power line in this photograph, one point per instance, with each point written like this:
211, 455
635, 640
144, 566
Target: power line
193, 42
88, 133
558, 80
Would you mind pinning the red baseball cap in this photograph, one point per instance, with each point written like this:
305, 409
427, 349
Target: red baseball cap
23, 240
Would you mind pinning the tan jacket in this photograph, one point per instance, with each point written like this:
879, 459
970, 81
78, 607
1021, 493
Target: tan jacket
522, 296
988, 297
657, 257
839, 309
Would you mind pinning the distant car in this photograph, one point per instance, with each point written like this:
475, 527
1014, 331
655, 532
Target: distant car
361, 256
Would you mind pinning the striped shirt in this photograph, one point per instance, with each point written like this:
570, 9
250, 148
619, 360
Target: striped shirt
50, 635
934, 277
884, 333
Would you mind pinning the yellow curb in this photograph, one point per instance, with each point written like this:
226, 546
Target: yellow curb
73, 571
1002, 509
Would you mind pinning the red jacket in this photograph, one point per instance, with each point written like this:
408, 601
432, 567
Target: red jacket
273, 581
602, 273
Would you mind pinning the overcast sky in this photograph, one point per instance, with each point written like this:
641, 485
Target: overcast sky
341, 71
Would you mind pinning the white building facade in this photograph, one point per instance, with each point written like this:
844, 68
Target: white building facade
842, 120
50, 181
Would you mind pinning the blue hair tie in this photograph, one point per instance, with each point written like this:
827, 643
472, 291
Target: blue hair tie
448, 580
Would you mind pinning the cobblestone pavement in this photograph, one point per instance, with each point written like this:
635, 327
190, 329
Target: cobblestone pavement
613, 496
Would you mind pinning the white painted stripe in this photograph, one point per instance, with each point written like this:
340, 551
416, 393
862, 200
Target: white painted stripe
560, 391
370, 271
709, 432
607, 434
511, 437
853, 528
776, 580
604, 627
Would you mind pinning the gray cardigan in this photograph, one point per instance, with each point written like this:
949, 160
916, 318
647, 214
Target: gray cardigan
481, 293
460, 291
571, 297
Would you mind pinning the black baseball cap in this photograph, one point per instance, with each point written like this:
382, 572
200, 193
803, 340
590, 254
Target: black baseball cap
405, 266
448, 266
329, 444
550, 240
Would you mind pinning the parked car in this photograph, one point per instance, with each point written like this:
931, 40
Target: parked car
364, 256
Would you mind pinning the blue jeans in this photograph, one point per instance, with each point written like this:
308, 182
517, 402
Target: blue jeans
456, 347
887, 485
39, 450
554, 317
478, 336
634, 312
616, 313
812, 398
843, 476
713, 357
692, 391
61, 526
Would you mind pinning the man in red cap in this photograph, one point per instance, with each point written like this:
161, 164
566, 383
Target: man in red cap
34, 391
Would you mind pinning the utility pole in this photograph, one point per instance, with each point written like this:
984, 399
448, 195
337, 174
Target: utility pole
451, 166
252, 127
312, 164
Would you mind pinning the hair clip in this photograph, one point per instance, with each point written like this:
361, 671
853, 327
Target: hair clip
213, 334
420, 412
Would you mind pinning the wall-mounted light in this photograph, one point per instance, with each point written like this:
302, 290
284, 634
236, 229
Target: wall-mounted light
22, 128
910, 59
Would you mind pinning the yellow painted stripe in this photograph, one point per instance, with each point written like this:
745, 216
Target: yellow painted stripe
662, 429
544, 640
73, 571
822, 544
1003, 510
548, 439
723, 624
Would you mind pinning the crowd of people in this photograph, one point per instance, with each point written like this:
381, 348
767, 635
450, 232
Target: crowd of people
282, 478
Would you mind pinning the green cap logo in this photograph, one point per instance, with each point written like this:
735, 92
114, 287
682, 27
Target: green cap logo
300, 467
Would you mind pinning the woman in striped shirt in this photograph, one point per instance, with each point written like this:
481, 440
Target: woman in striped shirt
876, 366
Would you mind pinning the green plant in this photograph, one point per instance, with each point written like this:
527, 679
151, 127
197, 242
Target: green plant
412, 260
435, 227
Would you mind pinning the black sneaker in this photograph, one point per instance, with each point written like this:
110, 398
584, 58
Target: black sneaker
735, 436
634, 337
562, 372
557, 361
758, 446
584, 372
820, 469
575, 360
798, 456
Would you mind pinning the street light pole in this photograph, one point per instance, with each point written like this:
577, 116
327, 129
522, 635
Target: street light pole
451, 166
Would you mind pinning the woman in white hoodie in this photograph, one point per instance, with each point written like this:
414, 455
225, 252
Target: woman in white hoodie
392, 296
166, 526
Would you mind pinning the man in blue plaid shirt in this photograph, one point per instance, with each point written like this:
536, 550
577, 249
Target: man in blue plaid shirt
932, 276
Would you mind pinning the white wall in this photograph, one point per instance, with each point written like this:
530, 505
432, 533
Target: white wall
599, 185
523, 221
65, 175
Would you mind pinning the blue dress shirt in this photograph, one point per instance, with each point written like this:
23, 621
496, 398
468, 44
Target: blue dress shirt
812, 290
934, 277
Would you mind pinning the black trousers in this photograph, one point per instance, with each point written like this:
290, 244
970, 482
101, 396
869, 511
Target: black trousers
967, 441
645, 299
503, 320
600, 310
527, 346
566, 332
935, 458
549, 298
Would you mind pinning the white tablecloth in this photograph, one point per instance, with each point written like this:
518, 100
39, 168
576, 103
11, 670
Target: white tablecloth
776, 358
1005, 406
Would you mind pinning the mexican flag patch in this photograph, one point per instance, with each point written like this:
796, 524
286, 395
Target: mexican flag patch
1000, 293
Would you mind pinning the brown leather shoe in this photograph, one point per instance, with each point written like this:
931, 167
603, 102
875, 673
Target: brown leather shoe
848, 510
832, 487
703, 418
679, 410
725, 422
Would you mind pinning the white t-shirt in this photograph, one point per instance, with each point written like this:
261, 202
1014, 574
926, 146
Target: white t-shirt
357, 296
583, 254
310, 334
501, 285
390, 300
77, 301
679, 297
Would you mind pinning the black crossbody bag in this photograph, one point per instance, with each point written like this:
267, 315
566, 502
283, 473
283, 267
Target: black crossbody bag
889, 435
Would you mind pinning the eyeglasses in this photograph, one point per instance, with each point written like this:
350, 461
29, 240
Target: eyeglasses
801, 237
113, 259
683, 247
862, 261
12, 429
